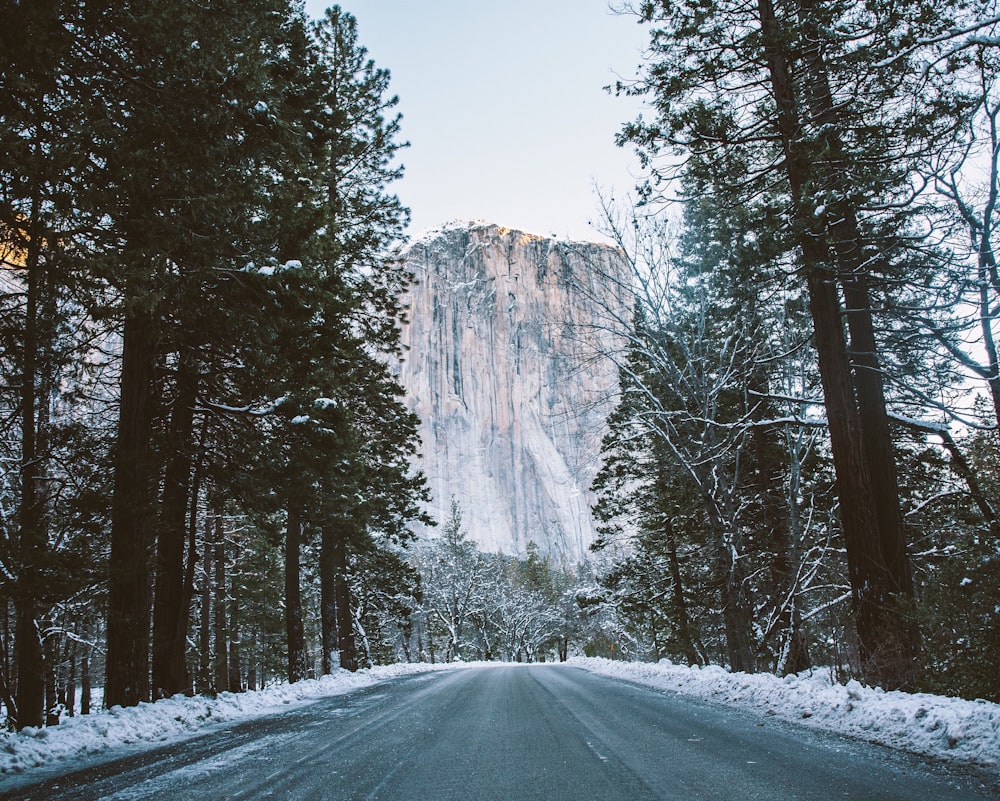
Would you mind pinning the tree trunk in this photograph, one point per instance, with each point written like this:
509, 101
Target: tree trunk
895, 658
737, 613
253, 661
220, 634
796, 656
680, 609
882, 632
737, 607
85, 682
30, 703
328, 595
345, 621
171, 607
132, 518
233, 605
294, 629
32, 538
70, 691
205, 619
772, 469
6, 681
51, 680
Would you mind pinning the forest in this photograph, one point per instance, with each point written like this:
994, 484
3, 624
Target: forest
802, 467
207, 474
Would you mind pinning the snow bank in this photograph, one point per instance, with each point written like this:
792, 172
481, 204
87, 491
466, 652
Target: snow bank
951, 729
175, 718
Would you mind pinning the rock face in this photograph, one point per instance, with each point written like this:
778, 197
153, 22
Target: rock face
502, 366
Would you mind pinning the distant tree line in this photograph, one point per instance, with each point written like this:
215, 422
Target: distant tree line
802, 466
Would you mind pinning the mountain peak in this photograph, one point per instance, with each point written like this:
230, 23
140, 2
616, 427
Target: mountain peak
501, 369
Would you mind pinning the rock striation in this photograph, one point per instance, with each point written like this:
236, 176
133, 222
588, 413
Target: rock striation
503, 364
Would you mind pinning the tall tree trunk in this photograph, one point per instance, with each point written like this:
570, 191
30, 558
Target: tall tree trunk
32, 538
85, 682
796, 656
253, 661
896, 657
737, 606
294, 630
678, 602
220, 634
233, 627
345, 620
70, 692
6, 677
328, 595
772, 469
882, 633
737, 612
51, 679
171, 606
132, 517
205, 616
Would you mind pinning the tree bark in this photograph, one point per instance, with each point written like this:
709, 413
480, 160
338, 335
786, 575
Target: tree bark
233, 628
32, 538
294, 630
51, 680
328, 595
253, 661
884, 636
7, 689
205, 616
895, 658
737, 606
85, 682
172, 604
345, 621
679, 603
220, 634
772, 473
132, 518
70, 685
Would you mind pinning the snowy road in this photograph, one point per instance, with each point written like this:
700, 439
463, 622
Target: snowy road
513, 733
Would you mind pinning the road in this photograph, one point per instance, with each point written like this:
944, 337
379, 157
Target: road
514, 733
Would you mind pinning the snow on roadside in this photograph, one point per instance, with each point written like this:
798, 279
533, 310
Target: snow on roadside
175, 718
951, 729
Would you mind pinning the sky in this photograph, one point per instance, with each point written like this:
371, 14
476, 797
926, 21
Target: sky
504, 108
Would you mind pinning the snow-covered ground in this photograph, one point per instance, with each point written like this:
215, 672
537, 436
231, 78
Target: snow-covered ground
174, 718
950, 729
964, 732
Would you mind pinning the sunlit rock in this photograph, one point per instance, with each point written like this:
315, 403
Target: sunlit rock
504, 367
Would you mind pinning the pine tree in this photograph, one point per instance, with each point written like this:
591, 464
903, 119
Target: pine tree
50, 104
836, 121
189, 187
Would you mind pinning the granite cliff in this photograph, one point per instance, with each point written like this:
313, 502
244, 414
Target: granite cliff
501, 365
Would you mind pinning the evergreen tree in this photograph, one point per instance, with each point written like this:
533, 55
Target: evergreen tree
51, 104
818, 100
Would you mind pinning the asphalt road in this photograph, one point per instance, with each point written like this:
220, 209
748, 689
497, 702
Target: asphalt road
513, 733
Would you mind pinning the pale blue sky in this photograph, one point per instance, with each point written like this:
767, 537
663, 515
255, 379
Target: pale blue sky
504, 108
